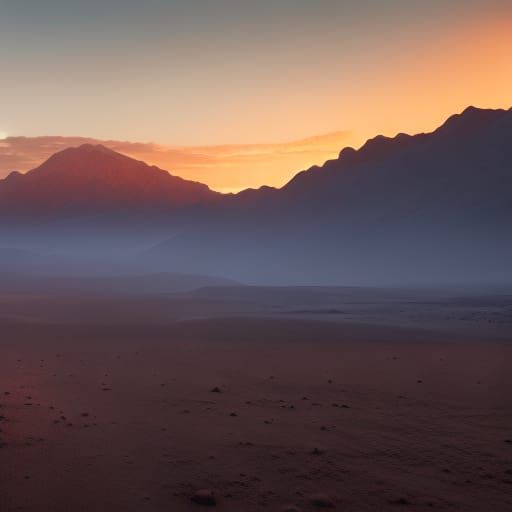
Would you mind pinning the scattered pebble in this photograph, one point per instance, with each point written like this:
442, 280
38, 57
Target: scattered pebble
204, 497
321, 501
400, 501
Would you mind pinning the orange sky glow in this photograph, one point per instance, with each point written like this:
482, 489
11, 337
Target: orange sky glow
263, 131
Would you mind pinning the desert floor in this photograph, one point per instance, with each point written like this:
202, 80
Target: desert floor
110, 404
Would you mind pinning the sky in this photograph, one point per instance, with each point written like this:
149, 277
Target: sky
251, 80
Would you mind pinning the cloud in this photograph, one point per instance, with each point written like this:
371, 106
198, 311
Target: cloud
223, 167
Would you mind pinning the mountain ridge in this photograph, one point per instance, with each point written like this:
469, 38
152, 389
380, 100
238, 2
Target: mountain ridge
374, 148
397, 208
425, 206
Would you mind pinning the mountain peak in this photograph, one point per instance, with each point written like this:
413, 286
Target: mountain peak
469, 110
87, 151
93, 147
471, 119
13, 175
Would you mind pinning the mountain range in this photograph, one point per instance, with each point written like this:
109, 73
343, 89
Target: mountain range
423, 208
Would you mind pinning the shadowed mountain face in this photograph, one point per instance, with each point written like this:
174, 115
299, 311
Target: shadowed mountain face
428, 208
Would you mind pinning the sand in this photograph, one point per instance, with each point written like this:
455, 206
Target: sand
309, 414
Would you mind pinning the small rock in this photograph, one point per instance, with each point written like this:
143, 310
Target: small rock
321, 501
216, 389
401, 501
204, 497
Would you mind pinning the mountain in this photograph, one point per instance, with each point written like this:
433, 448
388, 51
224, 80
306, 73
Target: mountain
413, 209
92, 180
410, 209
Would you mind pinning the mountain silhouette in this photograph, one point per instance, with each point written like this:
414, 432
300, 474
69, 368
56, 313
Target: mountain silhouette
411, 208
92, 179
416, 208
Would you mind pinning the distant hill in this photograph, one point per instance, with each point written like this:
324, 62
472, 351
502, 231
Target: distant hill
147, 284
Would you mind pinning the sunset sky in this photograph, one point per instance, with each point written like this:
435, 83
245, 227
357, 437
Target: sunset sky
226, 91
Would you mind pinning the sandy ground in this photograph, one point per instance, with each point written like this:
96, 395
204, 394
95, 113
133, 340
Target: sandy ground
311, 414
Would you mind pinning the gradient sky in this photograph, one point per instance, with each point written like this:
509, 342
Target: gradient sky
196, 73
